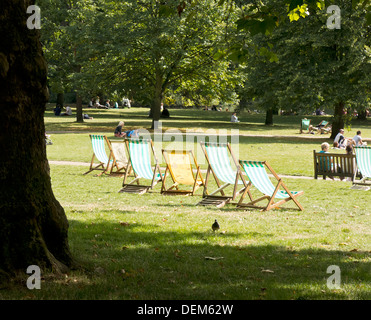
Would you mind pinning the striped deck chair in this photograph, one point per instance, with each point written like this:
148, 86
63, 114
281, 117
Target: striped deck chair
139, 151
322, 127
219, 165
179, 166
120, 160
99, 143
363, 159
257, 174
305, 123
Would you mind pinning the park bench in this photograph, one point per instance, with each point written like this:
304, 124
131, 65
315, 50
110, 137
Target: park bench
334, 165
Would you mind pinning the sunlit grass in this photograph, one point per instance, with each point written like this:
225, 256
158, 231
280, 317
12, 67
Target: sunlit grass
162, 247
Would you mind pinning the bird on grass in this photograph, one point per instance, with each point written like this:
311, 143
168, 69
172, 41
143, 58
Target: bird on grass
215, 226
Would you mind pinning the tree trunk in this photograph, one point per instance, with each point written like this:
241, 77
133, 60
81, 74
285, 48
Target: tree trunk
60, 99
79, 116
338, 120
33, 225
156, 102
269, 117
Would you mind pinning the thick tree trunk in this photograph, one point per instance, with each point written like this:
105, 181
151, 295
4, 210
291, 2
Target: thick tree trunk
33, 225
338, 121
79, 116
60, 99
156, 102
269, 117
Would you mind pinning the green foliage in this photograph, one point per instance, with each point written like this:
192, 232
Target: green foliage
314, 66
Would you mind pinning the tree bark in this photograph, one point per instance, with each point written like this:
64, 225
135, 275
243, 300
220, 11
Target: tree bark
79, 116
338, 120
60, 99
33, 224
157, 99
269, 117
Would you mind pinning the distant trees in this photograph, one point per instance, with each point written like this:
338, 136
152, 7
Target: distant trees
303, 64
280, 54
150, 47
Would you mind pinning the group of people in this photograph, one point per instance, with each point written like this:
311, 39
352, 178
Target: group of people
95, 103
341, 142
128, 133
58, 111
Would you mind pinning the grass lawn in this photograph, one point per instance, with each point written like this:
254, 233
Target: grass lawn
162, 247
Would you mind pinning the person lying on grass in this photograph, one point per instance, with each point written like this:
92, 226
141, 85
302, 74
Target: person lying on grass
129, 133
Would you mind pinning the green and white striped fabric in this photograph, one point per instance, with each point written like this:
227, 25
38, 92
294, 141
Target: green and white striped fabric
98, 145
141, 158
258, 176
305, 124
363, 156
219, 161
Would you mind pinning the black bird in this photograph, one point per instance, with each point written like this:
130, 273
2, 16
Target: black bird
215, 226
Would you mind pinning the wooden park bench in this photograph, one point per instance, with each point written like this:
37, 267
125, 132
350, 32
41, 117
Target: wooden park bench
334, 165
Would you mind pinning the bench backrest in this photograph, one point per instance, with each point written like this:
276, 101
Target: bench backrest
334, 164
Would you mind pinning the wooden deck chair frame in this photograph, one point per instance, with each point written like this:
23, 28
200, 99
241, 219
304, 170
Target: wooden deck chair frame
156, 176
213, 198
289, 195
116, 168
322, 129
198, 180
99, 152
305, 124
363, 160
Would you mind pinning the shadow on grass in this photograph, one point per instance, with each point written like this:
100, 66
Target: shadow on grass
156, 263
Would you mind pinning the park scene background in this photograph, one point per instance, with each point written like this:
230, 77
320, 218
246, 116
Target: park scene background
239, 57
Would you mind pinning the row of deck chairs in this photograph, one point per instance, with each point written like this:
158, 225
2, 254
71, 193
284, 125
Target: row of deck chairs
183, 169
323, 127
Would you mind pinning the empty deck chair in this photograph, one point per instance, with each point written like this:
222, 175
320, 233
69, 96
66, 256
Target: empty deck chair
363, 159
305, 123
219, 165
258, 177
120, 159
99, 143
140, 151
179, 166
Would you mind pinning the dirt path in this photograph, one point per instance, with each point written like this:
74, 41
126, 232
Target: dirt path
87, 164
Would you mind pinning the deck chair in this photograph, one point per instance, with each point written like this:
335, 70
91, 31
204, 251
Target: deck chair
363, 159
99, 143
179, 166
258, 177
219, 165
321, 127
305, 123
139, 151
120, 160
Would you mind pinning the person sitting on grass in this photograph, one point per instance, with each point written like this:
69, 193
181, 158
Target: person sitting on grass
234, 117
57, 110
340, 139
357, 139
68, 112
129, 133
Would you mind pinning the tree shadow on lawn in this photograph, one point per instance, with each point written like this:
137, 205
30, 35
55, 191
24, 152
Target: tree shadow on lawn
186, 264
